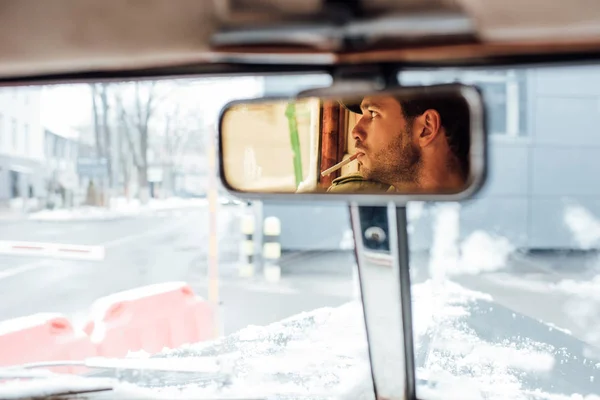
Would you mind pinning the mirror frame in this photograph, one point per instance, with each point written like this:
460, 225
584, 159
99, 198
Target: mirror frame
478, 153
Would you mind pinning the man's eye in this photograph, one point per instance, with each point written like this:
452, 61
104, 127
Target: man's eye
373, 114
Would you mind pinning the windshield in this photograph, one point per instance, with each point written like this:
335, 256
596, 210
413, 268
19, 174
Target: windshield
505, 286
117, 241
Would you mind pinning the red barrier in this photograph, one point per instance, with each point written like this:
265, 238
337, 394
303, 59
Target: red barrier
149, 318
43, 337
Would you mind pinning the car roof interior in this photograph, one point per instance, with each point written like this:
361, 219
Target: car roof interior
64, 39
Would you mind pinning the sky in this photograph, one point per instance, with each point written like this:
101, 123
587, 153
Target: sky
64, 107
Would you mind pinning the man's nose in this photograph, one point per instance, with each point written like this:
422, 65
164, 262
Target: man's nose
358, 133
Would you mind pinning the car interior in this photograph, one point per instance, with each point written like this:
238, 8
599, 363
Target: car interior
368, 48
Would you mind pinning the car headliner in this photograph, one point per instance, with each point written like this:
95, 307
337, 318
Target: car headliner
45, 38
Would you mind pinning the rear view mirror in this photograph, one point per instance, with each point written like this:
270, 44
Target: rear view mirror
421, 143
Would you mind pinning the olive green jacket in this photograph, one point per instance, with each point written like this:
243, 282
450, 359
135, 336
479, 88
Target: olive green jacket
354, 183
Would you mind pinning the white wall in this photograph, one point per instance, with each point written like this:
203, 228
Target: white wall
21, 106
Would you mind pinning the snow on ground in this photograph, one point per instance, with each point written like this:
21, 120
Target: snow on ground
42, 388
461, 365
324, 354
122, 208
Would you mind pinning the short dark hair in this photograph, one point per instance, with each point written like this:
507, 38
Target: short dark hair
455, 118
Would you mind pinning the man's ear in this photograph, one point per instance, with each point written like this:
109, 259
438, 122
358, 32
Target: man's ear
429, 125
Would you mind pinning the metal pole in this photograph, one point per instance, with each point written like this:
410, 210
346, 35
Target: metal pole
246, 267
381, 248
213, 242
401, 225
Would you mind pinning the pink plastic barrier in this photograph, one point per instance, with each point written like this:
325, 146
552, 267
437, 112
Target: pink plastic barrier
149, 318
43, 337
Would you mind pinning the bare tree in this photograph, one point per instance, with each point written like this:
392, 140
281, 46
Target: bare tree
135, 120
106, 134
95, 111
182, 133
125, 158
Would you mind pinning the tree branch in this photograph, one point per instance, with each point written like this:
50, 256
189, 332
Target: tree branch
126, 123
99, 150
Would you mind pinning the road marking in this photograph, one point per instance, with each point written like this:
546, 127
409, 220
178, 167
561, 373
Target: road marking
54, 250
21, 268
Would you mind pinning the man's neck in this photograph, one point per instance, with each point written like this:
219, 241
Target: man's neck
442, 179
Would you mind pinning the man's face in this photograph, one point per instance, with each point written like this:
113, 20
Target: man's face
387, 150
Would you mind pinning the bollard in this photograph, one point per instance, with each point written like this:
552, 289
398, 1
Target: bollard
246, 267
272, 249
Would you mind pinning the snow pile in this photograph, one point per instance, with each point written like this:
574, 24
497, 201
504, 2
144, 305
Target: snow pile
171, 203
433, 303
323, 354
583, 225
458, 361
479, 252
319, 354
444, 254
84, 213
119, 208
482, 252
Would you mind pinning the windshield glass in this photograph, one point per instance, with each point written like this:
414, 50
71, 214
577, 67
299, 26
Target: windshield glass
118, 241
506, 285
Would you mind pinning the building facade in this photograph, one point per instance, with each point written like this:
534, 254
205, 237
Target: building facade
542, 120
61, 180
21, 148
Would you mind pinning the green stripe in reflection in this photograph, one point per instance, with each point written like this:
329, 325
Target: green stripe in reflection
290, 113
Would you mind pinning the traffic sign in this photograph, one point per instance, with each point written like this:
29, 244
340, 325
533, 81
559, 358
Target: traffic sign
92, 167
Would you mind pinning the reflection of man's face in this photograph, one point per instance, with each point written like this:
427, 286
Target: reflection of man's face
387, 150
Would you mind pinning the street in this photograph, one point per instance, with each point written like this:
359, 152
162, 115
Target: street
171, 245
168, 245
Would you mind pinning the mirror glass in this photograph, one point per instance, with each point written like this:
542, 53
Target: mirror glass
404, 141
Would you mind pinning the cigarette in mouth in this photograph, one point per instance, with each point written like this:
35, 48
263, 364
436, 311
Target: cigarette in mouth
339, 165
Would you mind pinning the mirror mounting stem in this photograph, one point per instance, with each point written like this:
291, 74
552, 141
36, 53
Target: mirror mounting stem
379, 74
383, 270
348, 79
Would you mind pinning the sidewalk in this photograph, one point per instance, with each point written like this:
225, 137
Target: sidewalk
119, 208
10, 215
13, 210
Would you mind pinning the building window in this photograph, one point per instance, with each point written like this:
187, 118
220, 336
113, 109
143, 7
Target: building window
505, 102
504, 94
14, 185
15, 134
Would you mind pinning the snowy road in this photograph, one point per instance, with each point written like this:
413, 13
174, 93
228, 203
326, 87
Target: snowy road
168, 245
171, 245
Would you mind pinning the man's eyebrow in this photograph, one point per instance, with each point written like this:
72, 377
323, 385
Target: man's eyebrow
369, 104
